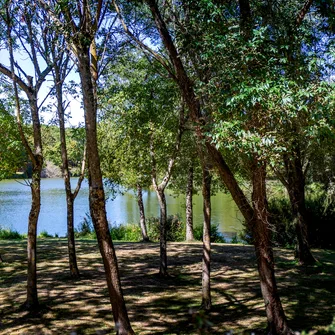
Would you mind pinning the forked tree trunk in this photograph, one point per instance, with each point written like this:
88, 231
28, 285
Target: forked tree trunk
277, 323
162, 233
142, 214
97, 196
206, 255
189, 206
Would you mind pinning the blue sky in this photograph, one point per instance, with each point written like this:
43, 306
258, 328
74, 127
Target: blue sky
76, 112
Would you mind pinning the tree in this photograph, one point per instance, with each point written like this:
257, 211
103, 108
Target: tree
60, 71
21, 22
149, 112
124, 127
80, 25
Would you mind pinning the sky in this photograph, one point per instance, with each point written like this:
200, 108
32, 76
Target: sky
74, 108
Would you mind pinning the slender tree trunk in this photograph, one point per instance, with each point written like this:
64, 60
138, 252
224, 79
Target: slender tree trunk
74, 272
162, 233
206, 256
32, 298
142, 214
296, 189
277, 323
189, 206
97, 197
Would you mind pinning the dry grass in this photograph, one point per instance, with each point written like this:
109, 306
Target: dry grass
157, 305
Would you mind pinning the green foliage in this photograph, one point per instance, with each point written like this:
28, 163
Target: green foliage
12, 153
129, 232
9, 234
137, 107
175, 228
321, 217
235, 240
85, 228
44, 234
216, 236
75, 141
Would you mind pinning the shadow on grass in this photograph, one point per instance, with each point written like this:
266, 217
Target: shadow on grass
159, 305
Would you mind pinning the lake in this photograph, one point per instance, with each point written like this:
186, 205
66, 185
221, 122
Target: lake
15, 200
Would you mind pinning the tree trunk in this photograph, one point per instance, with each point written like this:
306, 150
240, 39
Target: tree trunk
142, 214
277, 323
74, 272
97, 197
37, 161
296, 189
32, 298
206, 256
189, 206
162, 233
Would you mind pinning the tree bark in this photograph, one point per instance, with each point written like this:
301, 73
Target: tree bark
97, 196
142, 214
206, 255
162, 233
277, 323
189, 206
32, 297
295, 186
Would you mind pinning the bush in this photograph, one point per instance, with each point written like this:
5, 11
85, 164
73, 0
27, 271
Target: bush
85, 228
44, 234
129, 232
9, 234
216, 236
320, 214
175, 228
282, 222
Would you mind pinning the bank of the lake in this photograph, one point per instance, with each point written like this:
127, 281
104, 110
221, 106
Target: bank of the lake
15, 200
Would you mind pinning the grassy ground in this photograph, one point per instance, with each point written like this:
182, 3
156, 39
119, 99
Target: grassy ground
155, 305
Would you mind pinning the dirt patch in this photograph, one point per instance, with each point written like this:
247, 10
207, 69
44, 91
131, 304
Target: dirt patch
160, 305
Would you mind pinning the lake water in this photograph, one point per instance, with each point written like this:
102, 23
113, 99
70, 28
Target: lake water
15, 200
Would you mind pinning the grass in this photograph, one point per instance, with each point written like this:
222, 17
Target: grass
156, 305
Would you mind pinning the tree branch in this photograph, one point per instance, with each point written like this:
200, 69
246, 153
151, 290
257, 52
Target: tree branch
19, 81
301, 15
81, 176
142, 45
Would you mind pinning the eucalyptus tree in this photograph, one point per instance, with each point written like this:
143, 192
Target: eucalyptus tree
186, 177
24, 26
80, 24
123, 128
123, 161
150, 121
60, 57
